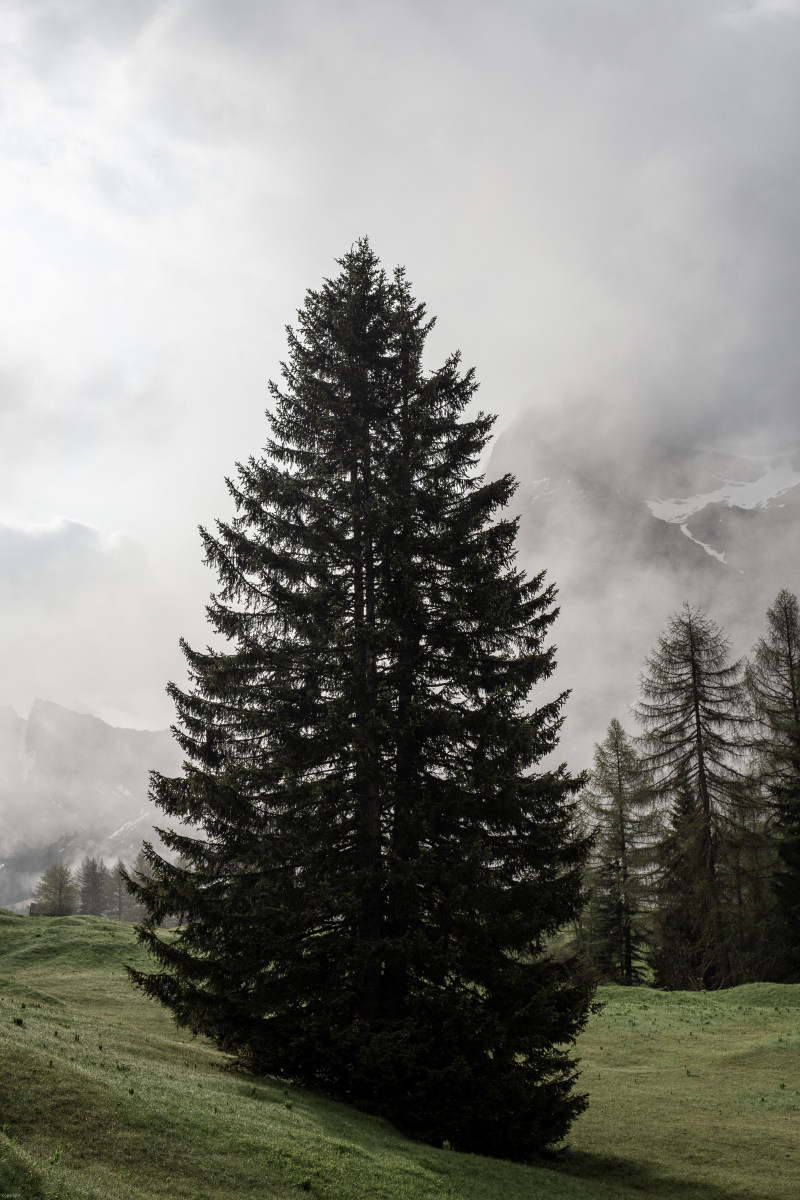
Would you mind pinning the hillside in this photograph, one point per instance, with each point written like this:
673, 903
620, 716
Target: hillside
692, 1096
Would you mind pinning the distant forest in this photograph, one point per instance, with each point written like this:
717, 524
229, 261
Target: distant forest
93, 890
694, 877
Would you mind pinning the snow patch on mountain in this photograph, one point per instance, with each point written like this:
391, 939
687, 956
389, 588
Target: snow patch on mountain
779, 477
708, 549
129, 825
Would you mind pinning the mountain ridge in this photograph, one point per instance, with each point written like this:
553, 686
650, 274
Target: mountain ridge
629, 524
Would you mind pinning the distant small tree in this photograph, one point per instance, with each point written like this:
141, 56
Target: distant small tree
56, 893
117, 897
92, 887
140, 873
620, 798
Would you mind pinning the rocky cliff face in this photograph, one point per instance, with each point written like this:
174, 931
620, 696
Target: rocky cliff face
71, 785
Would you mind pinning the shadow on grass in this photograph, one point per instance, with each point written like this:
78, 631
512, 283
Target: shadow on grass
650, 1180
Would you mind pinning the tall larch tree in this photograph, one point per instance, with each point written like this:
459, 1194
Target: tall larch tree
773, 677
692, 708
378, 860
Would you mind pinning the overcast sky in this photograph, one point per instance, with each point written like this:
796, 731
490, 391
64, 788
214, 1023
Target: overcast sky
593, 197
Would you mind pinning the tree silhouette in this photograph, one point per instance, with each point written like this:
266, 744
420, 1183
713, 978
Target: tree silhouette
773, 678
693, 711
379, 862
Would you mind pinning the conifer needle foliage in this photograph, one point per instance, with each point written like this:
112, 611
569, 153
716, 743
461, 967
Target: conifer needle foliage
692, 710
773, 679
377, 863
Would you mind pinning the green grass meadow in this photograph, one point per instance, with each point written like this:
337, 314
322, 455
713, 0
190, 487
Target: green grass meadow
691, 1096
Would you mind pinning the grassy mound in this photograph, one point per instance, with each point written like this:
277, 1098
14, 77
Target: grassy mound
100, 1095
694, 1093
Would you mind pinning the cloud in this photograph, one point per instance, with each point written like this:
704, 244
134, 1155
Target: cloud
85, 620
588, 192
746, 12
53, 564
597, 200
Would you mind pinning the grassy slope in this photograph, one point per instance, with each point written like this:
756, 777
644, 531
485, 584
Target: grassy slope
101, 1096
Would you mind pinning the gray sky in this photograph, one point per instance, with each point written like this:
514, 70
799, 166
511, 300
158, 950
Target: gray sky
595, 197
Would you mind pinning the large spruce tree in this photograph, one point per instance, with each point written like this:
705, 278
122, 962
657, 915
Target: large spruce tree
377, 864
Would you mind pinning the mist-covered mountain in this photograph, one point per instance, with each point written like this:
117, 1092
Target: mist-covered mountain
629, 527
72, 785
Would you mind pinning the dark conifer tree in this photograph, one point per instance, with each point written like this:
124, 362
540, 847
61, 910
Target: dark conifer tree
378, 862
119, 899
773, 677
748, 871
620, 799
56, 893
685, 955
93, 886
620, 947
693, 709
142, 872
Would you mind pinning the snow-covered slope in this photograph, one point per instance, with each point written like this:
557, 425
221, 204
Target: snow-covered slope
776, 476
